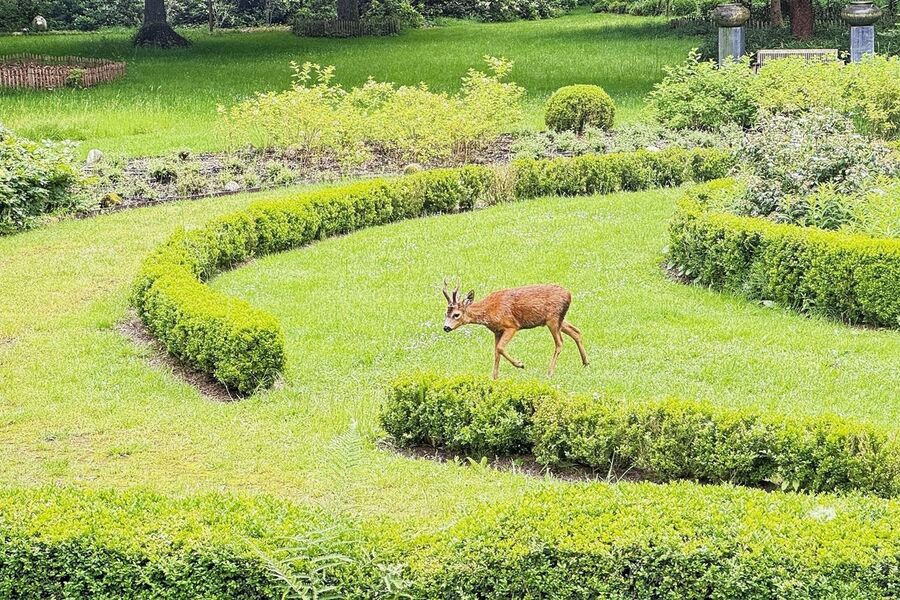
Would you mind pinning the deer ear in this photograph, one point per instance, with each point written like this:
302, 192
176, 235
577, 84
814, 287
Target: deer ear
470, 297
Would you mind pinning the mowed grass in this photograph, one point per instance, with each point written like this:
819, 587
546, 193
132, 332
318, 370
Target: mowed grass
168, 99
82, 405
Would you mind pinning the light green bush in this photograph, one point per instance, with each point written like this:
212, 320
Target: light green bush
409, 123
699, 95
575, 107
565, 542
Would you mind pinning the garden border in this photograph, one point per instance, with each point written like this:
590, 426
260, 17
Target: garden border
851, 277
665, 440
243, 347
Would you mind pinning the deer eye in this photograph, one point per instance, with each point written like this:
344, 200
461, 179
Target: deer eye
456, 315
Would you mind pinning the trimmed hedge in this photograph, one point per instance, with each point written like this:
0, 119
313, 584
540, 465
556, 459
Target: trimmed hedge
666, 440
572, 541
680, 541
243, 348
851, 277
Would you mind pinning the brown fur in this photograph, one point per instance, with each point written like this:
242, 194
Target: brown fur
507, 311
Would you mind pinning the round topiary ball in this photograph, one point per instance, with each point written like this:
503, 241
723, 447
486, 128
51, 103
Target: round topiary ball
574, 107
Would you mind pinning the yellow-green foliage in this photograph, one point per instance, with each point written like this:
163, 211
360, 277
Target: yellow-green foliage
852, 277
410, 123
666, 440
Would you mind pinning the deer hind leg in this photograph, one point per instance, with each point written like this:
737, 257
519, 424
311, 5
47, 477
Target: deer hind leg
501, 340
573, 332
554, 328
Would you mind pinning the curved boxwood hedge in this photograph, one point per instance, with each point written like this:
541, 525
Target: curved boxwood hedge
666, 440
243, 347
573, 541
851, 277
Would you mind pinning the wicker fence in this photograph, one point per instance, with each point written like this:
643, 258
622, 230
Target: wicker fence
33, 71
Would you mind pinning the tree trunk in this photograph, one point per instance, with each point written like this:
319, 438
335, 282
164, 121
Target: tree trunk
802, 19
211, 10
348, 10
155, 31
776, 19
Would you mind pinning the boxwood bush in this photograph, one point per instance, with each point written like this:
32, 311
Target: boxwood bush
664, 439
847, 276
564, 541
243, 348
574, 107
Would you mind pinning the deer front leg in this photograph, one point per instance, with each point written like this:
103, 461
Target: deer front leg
501, 340
558, 342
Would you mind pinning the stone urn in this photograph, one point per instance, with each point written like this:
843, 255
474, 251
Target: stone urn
861, 13
731, 15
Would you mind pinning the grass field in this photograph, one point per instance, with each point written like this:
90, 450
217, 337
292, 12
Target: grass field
82, 405
168, 99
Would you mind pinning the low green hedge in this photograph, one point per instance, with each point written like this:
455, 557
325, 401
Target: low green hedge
665, 440
571, 541
243, 348
851, 277
684, 541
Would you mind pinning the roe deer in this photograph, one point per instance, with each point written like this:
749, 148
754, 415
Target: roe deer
507, 311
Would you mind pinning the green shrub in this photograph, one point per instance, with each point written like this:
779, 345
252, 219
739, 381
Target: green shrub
700, 95
851, 277
665, 440
408, 123
607, 173
574, 107
676, 541
243, 348
463, 414
36, 179
566, 542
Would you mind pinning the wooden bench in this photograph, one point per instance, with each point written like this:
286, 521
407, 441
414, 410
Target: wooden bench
808, 54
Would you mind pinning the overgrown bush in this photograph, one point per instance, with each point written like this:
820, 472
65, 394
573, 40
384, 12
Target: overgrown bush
665, 440
408, 122
851, 277
575, 107
243, 348
699, 95
36, 180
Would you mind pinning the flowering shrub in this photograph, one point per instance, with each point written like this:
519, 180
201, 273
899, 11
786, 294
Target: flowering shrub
809, 169
409, 123
35, 179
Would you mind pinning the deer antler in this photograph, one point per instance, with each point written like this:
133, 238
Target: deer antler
446, 295
456, 293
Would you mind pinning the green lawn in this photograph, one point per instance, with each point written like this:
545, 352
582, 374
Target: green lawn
168, 99
82, 405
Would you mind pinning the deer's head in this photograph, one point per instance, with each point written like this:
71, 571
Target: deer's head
456, 308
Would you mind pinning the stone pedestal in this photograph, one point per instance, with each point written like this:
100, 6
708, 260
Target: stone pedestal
861, 15
731, 19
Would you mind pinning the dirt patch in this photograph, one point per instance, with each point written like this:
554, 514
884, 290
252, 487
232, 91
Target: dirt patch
134, 330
